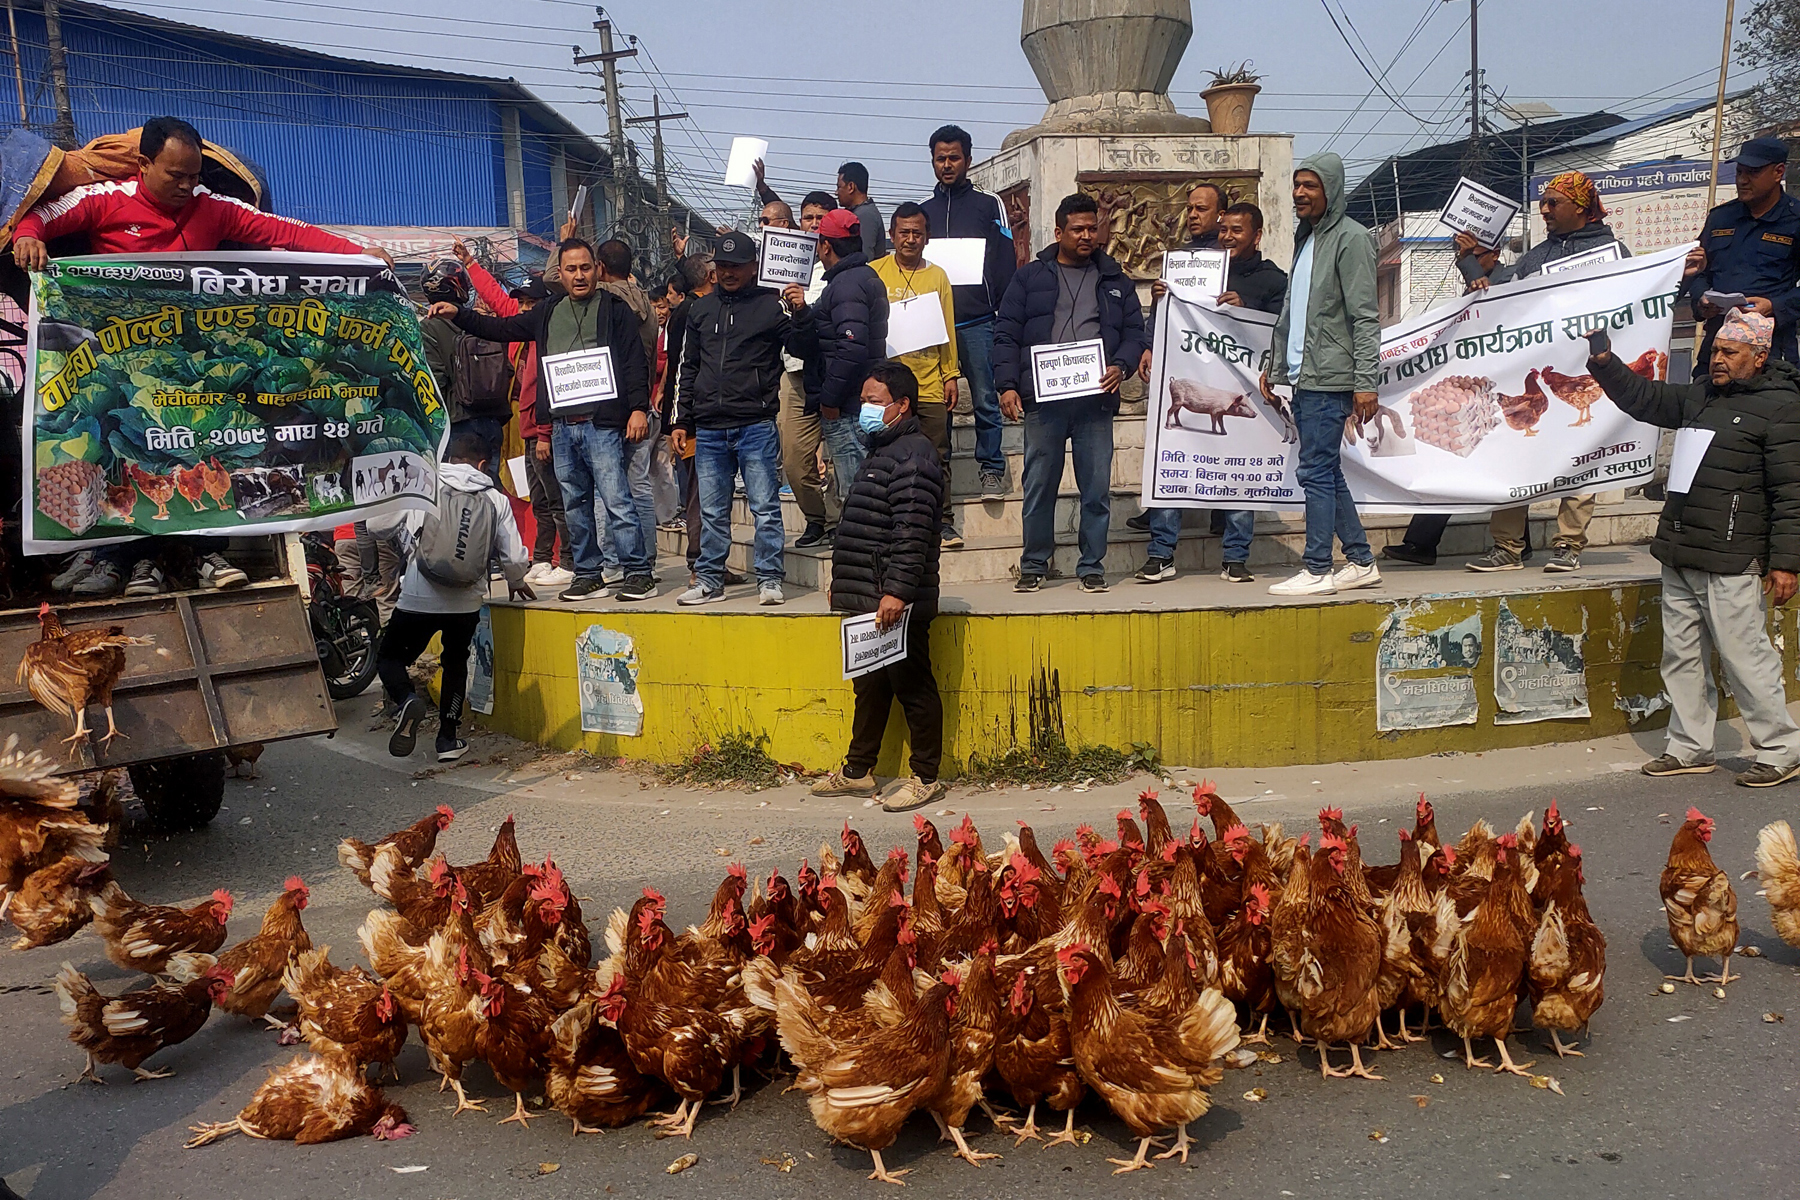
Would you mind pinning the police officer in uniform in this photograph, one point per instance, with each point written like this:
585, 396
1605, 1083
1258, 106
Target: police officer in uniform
1750, 246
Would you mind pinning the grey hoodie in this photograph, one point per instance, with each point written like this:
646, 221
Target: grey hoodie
1342, 352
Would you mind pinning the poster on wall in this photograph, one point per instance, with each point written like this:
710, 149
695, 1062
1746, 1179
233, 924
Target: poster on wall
1425, 674
606, 670
481, 664
1539, 673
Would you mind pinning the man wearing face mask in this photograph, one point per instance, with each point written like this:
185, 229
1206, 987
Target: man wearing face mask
885, 558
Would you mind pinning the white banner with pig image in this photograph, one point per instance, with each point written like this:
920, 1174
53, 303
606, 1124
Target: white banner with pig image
1485, 402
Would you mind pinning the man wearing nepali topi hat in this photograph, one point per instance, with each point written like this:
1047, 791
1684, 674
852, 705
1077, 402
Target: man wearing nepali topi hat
1729, 532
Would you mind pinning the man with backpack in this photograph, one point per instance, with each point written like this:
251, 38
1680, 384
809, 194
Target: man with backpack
445, 586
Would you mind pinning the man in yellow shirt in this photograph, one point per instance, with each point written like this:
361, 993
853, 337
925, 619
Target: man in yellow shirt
909, 278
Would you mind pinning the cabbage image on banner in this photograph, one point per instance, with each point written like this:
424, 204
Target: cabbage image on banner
606, 670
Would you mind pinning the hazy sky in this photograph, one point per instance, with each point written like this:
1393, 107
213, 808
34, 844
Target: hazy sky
866, 80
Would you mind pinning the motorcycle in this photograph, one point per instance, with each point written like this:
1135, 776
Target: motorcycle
346, 628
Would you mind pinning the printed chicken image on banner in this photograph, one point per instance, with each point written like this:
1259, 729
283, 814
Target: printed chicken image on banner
1484, 402
222, 393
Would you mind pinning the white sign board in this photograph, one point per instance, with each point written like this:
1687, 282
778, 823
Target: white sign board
581, 377
1067, 369
1196, 274
964, 259
787, 257
1479, 210
1593, 258
915, 324
740, 169
579, 203
867, 648
521, 480
1684, 462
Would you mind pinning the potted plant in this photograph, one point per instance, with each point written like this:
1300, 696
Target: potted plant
1229, 98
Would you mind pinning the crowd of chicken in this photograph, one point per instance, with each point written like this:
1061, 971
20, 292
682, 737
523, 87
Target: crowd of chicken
1119, 965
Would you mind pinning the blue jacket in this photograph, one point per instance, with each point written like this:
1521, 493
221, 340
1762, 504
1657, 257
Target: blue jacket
1758, 256
965, 211
847, 331
1028, 310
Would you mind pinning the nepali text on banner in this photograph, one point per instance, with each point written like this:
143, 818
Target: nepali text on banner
222, 393
1485, 402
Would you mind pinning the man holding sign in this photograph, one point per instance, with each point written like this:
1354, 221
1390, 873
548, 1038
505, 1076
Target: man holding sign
594, 393
885, 562
1069, 329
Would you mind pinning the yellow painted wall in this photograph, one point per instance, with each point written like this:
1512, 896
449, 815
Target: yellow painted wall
1247, 687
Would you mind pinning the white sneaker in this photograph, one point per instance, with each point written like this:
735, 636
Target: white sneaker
699, 595
1304, 584
535, 576
556, 577
1351, 576
74, 571
218, 574
770, 594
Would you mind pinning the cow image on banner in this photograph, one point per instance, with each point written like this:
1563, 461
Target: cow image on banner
1484, 403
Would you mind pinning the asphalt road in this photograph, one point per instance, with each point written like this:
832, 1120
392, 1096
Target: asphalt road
1679, 1095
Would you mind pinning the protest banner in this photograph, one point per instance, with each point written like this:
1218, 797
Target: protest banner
867, 648
787, 257
1479, 210
222, 393
1485, 402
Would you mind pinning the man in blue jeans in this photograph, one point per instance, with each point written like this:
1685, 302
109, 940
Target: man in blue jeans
1072, 292
957, 209
726, 404
1327, 345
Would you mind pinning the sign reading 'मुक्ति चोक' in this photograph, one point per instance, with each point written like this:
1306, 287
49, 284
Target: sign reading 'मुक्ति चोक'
1484, 402
222, 393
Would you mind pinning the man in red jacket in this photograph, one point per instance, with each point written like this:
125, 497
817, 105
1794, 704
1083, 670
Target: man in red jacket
165, 208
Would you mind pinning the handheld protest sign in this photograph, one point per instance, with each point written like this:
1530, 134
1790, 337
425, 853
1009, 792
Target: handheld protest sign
740, 169
964, 260
916, 323
787, 257
867, 648
1197, 274
1067, 369
1605, 254
581, 377
1480, 211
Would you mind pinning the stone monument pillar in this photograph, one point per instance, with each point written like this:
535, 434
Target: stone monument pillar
1112, 131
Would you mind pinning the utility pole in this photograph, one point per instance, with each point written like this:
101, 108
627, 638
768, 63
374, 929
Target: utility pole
614, 127
1712, 184
657, 117
63, 132
1474, 73
12, 28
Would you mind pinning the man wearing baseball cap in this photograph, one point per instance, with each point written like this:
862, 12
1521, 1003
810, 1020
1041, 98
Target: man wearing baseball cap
1748, 247
839, 335
726, 404
1729, 532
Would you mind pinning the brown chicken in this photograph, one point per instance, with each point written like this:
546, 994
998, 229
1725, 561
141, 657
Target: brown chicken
488, 879
258, 962
143, 937
1152, 1071
308, 1101
157, 489
1244, 972
1032, 1054
65, 672
218, 483
1778, 866
1523, 412
590, 1078
1698, 899
447, 1014
1340, 959
1579, 392
132, 1027
688, 1048
513, 1035
345, 1016
56, 902
1487, 963
191, 483
1567, 967
246, 755
40, 824
972, 1034
413, 845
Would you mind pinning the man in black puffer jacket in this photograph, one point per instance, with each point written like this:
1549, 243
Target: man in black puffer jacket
885, 557
1729, 531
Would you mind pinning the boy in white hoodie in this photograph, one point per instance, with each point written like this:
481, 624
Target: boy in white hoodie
428, 606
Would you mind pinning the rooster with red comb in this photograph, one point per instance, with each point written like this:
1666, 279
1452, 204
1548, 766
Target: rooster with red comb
1698, 899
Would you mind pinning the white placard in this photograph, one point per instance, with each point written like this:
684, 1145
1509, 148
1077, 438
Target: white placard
1605, 254
1479, 210
579, 203
521, 481
1684, 460
581, 377
740, 169
964, 259
1726, 300
787, 257
867, 648
1067, 369
1197, 274
915, 324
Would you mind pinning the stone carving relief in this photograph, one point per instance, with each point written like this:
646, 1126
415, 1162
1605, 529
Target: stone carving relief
1017, 200
1142, 217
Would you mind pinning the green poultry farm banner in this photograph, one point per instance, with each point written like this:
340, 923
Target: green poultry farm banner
1485, 402
222, 393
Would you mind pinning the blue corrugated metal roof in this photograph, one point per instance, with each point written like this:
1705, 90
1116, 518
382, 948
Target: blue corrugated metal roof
1673, 112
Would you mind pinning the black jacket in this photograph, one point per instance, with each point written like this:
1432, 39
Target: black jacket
1742, 514
1586, 240
731, 359
1029, 310
617, 328
1259, 283
966, 211
847, 331
887, 539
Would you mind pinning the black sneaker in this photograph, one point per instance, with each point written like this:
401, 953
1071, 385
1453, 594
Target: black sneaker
948, 538
451, 749
1406, 552
1141, 522
732, 578
585, 589
1093, 583
1155, 570
406, 730
637, 587
1237, 573
1028, 583
813, 535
